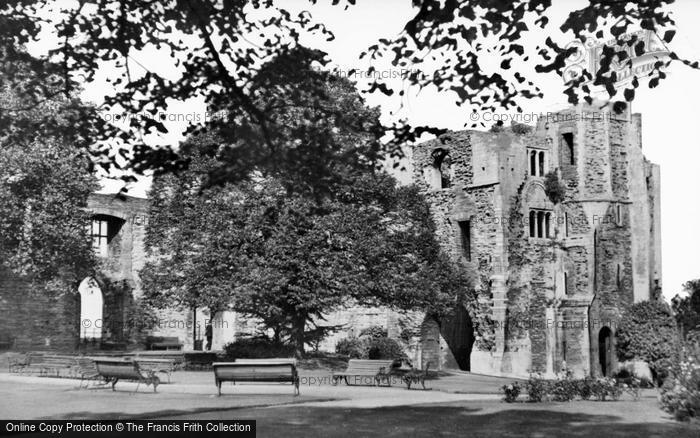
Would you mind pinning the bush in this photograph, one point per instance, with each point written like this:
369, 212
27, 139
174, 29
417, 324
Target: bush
564, 390
648, 332
606, 388
568, 388
585, 388
352, 347
680, 394
374, 331
537, 388
384, 348
553, 188
511, 392
257, 348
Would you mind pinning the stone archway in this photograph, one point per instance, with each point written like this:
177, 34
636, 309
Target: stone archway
605, 351
458, 331
91, 310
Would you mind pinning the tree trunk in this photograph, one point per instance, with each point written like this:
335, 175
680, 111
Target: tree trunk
298, 336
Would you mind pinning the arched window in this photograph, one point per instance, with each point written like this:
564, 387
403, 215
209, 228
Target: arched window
443, 164
541, 163
568, 150
618, 276
540, 224
533, 163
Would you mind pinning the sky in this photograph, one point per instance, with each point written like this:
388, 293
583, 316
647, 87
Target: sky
669, 112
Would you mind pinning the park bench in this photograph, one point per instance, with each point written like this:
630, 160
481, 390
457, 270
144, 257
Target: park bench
86, 370
257, 370
163, 343
376, 370
114, 370
43, 363
165, 366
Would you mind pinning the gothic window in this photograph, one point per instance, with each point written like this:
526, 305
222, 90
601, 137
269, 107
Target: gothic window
443, 164
540, 223
568, 151
466, 239
533, 163
541, 162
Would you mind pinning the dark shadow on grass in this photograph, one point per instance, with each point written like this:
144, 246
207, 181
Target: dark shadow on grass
450, 421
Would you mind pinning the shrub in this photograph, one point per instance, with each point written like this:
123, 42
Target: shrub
257, 348
520, 128
680, 394
374, 331
553, 188
537, 388
606, 388
564, 390
585, 387
648, 332
354, 348
384, 348
511, 392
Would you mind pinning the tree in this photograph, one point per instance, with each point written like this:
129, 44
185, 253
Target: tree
687, 308
648, 332
194, 236
373, 246
44, 187
219, 47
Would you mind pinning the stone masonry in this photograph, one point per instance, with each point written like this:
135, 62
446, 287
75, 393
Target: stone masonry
555, 276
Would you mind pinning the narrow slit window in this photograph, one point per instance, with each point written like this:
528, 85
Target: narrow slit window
532, 223
466, 239
533, 163
568, 138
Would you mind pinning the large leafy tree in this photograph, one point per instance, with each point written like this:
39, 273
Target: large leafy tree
219, 46
372, 245
321, 230
44, 187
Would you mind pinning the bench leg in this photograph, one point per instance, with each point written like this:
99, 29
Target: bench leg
296, 386
114, 382
218, 387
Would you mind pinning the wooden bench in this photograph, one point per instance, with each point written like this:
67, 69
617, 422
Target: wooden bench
377, 370
113, 370
86, 370
165, 366
44, 364
163, 343
257, 370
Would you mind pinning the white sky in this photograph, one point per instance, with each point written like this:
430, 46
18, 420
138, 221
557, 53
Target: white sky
670, 118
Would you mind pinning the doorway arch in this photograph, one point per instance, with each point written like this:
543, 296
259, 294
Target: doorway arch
458, 331
605, 351
91, 309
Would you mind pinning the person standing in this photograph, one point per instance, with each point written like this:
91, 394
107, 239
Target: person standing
209, 334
